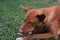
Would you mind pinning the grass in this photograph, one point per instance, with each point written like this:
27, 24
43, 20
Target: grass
11, 15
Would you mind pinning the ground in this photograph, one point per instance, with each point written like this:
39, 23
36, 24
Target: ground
11, 15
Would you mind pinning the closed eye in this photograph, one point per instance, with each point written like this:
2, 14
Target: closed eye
31, 23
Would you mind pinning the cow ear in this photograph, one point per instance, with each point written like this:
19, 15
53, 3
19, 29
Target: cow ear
41, 17
25, 8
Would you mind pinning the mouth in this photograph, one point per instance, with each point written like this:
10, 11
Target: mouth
21, 35
35, 31
24, 35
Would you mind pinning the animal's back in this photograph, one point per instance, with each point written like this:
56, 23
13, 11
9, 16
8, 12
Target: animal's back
57, 13
56, 10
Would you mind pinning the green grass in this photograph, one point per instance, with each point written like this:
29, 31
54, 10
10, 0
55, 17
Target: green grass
11, 15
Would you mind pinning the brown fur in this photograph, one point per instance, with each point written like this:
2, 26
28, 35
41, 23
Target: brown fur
53, 22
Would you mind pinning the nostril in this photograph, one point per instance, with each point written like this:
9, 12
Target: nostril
20, 31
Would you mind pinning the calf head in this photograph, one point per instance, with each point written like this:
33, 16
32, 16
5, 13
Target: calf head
33, 19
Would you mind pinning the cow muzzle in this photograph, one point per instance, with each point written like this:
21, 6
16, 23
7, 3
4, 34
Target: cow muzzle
21, 33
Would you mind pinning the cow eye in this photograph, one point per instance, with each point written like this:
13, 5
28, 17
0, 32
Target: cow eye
29, 22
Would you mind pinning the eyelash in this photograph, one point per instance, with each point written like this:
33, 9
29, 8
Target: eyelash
32, 24
29, 22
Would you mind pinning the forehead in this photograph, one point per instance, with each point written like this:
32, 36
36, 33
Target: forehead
31, 14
